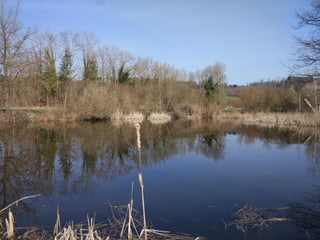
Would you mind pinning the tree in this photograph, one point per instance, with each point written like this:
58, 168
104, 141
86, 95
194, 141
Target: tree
49, 76
250, 99
212, 78
65, 71
308, 53
210, 87
86, 43
13, 40
48, 73
289, 100
65, 75
123, 75
117, 65
90, 68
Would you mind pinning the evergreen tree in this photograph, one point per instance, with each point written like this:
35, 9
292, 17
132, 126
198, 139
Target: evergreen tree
210, 88
123, 75
49, 76
65, 72
90, 68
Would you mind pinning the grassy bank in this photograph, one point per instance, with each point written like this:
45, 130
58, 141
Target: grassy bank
274, 119
44, 114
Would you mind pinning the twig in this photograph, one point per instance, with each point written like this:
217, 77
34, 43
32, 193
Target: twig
19, 200
250, 217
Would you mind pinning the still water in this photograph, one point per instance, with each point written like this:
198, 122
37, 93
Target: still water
196, 175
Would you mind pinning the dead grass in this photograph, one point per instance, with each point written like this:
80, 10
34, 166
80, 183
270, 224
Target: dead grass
250, 217
118, 118
274, 119
37, 115
159, 118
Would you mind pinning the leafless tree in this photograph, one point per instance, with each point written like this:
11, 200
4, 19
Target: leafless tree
117, 60
308, 52
13, 40
87, 43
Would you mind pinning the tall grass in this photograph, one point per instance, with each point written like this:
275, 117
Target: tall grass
274, 119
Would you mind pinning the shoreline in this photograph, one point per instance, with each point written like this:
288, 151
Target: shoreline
274, 119
43, 115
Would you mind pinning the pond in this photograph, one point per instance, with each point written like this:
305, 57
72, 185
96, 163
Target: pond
197, 176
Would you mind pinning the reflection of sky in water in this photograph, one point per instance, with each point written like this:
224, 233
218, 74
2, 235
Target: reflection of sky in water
192, 190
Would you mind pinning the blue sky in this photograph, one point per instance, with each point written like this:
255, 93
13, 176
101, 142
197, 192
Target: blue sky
253, 38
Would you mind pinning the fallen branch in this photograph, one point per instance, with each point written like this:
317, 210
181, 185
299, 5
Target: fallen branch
19, 200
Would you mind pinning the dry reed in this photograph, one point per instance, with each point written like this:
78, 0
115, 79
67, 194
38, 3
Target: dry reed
118, 117
158, 118
9, 224
141, 184
130, 222
249, 217
17, 202
57, 225
274, 119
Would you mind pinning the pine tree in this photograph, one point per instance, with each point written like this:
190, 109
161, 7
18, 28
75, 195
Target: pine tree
49, 76
65, 72
210, 87
90, 69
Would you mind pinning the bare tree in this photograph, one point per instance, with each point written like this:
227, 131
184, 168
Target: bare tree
118, 62
13, 40
87, 44
308, 52
102, 63
142, 67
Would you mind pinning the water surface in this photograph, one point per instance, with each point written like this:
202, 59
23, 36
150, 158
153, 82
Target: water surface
196, 175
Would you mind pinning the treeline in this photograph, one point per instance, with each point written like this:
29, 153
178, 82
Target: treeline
287, 95
73, 71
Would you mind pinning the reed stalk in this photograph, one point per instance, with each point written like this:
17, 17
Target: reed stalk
130, 207
10, 225
144, 230
57, 225
90, 235
129, 225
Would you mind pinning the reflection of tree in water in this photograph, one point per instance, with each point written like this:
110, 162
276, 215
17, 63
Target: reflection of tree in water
307, 215
65, 159
212, 145
282, 138
65, 156
26, 165
312, 143
89, 163
268, 135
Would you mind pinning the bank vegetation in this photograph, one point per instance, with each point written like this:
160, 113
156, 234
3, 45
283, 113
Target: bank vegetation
69, 76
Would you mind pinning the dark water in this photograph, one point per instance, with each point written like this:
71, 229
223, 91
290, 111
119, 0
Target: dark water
196, 175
